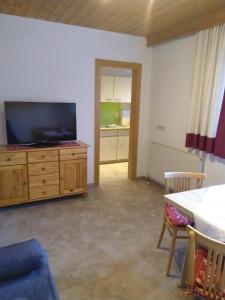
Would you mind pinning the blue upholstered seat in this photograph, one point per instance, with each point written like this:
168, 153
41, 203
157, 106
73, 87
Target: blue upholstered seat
25, 273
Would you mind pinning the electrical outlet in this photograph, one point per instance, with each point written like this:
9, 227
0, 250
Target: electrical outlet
161, 127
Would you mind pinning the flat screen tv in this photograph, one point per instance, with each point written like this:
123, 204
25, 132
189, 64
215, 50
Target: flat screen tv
40, 123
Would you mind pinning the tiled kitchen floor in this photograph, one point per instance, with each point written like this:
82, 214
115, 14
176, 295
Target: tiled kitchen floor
112, 172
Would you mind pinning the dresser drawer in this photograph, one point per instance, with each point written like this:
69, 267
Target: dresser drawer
67, 154
16, 158
44, 192
42, 156
43, 180
43, 168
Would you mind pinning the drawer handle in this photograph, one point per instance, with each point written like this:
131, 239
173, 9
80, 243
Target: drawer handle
71, 190
44, 181
44, 193
43, 169
8, 159
42, 156
73, 154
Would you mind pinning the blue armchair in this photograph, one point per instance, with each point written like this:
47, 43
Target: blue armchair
25, 273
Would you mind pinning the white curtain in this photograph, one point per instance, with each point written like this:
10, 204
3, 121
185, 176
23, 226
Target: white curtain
208, 82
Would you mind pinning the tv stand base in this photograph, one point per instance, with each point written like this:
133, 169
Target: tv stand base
33, 174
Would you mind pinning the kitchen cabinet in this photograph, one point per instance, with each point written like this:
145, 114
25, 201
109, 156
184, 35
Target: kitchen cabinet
114, 145
108, 145
107, 88
122, 89
123, 144
116, 88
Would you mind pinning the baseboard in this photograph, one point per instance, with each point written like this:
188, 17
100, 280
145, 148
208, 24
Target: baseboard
151, 180
141, 178
113, 161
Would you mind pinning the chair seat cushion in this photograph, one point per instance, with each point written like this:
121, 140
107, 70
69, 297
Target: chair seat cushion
175, 217
200, 278
199, 273
200, 265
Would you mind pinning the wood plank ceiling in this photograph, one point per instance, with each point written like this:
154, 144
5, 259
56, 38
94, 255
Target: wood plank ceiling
157, 20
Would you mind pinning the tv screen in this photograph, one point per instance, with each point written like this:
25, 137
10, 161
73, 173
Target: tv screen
37, 122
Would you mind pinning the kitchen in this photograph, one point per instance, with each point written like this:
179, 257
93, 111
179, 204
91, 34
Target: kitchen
115, 105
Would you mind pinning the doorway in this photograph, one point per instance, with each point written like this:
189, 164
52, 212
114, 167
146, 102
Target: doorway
116, 118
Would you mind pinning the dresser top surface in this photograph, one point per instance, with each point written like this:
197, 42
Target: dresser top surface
63, 145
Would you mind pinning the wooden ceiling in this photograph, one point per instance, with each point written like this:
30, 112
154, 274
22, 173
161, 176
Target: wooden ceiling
157, 20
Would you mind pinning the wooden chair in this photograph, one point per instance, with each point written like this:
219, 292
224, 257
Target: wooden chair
177, 182
212, 285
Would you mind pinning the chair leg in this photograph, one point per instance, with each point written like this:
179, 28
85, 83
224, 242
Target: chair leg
161, 233
172, 247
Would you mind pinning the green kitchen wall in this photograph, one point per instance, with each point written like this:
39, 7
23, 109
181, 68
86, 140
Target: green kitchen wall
110, 113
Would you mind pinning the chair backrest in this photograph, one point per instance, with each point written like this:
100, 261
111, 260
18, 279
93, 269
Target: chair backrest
182, 181
213, 285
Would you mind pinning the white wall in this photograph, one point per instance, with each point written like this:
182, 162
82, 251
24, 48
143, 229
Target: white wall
171, 80
46, 61
172, 65
215, 170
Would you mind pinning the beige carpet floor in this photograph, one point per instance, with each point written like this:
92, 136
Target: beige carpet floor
101, 247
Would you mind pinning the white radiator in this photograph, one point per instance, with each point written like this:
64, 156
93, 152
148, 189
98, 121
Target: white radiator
165, 158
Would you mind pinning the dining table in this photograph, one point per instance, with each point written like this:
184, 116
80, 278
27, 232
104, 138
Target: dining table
206, 207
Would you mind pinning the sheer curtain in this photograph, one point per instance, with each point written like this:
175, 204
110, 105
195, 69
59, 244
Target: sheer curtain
219, 148
207, 89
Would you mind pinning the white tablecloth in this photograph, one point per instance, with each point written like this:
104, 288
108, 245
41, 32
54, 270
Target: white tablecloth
209, 214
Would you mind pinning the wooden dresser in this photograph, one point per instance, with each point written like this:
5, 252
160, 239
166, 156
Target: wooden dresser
33, 174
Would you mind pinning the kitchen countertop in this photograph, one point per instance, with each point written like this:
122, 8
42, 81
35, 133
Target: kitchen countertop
115, 128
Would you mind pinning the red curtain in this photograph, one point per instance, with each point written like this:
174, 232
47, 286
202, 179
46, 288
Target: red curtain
210, 145
200, 142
